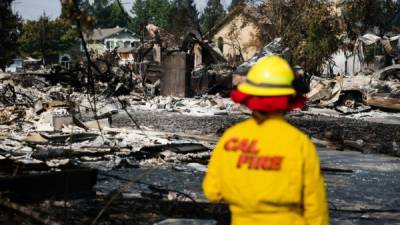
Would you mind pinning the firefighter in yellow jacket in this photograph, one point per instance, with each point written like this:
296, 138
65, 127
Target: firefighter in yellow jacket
264, 168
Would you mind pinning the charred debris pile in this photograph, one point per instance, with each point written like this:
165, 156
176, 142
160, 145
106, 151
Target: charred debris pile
349, 84
58, 139
61, 154
59, 147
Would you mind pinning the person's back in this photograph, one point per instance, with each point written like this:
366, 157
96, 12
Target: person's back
267, 170
260, 172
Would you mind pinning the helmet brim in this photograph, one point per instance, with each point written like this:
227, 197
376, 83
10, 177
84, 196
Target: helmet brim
265, 91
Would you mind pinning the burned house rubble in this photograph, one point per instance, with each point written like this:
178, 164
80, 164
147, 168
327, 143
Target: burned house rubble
169, 66
375, 86
130, 144
359, 93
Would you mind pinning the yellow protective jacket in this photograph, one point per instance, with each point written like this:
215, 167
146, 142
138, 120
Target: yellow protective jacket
269, 174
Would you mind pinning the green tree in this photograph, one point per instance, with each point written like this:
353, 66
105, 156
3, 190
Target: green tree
361, 16
156, 12
308, 27
101, 9
10, 24
68, 6
45, 37
82, 12
184, 17
96, 13
85, 5
118, 16
213, 12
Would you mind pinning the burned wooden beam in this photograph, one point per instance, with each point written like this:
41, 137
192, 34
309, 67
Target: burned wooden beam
51, 152
184, 148
71, 183
148, 152
64, 138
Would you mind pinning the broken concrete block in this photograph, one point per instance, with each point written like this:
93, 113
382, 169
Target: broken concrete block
44, 124
59, 121
44, 127
72, 129
187, 222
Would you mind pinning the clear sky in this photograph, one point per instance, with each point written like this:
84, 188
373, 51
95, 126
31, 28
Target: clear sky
33, 9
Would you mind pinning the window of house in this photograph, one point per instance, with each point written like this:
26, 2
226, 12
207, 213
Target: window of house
65, 61
108, 44
127, 44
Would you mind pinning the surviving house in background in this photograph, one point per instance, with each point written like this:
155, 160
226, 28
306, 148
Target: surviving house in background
16, 66
101, 40
240, 34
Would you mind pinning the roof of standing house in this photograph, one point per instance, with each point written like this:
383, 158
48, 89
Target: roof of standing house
101, 34
249, 11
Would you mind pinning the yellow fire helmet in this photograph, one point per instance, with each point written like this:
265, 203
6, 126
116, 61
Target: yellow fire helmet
270, 76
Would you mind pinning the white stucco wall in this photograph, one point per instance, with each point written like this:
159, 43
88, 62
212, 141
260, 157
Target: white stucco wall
244, 37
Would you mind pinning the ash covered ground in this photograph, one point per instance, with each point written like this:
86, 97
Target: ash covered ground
150, 157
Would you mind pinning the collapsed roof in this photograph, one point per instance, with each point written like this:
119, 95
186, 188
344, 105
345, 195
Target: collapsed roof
210, 55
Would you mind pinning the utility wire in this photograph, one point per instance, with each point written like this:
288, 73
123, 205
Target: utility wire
133, 120
90, 63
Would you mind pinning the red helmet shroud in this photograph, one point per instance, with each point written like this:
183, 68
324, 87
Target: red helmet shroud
269, 104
